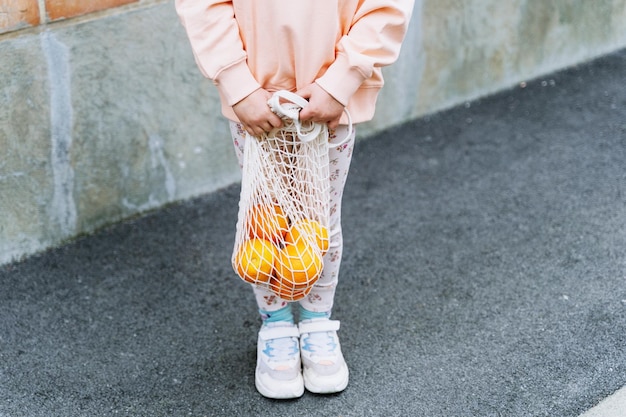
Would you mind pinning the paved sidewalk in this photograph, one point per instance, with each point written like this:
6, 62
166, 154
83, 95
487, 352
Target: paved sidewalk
613, 406
484, 275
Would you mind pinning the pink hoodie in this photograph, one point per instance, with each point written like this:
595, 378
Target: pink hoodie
341, 45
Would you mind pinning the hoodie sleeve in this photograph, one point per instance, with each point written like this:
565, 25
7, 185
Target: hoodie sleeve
373, 40
217, 46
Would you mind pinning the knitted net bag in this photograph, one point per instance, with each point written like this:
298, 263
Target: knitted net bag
282, 229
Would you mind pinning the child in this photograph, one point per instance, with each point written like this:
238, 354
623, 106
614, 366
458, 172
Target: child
329, 52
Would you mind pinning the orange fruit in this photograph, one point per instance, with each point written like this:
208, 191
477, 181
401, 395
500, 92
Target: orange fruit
311, 231
298, 265
255, 260
267, 222
287, 292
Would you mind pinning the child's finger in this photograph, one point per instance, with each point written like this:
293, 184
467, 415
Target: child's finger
304, 92
333, 124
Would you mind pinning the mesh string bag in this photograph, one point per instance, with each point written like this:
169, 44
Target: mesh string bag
282, 229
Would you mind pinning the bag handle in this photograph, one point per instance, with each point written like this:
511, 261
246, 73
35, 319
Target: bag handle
292, 109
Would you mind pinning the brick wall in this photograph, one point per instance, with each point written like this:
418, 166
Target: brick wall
21, 14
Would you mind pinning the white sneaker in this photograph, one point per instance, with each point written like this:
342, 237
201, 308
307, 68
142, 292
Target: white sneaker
278, 368
325, 370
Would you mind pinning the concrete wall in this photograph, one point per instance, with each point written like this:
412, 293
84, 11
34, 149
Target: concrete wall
106, 116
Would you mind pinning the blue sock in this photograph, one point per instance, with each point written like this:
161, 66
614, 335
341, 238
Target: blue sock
283, 314
307, 314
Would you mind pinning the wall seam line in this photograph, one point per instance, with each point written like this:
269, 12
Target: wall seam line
42, 12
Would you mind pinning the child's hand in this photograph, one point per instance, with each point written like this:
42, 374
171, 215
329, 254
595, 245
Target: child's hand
255, 115
322, 107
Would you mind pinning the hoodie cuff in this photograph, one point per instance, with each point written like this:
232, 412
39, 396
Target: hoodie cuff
341, 80
236, 83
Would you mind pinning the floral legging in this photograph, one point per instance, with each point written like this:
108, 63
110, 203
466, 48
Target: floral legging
321, 297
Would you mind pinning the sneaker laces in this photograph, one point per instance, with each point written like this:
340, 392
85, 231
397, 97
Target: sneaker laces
321, 344
281, 349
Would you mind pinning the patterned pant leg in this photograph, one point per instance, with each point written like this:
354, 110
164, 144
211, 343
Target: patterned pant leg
321, 297
265, 299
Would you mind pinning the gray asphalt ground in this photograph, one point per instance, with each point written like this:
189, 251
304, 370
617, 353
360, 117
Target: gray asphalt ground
484, 275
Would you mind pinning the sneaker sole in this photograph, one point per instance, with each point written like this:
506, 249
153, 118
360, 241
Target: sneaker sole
280, 390
326, 384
